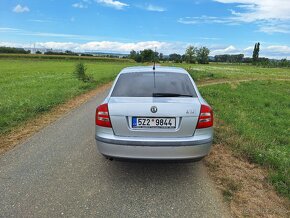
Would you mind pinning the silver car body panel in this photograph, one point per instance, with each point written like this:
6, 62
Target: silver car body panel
182, 142
185, 110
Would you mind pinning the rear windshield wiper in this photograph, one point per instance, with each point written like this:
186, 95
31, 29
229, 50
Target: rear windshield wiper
170, 95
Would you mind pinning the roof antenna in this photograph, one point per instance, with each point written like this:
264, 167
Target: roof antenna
154, 59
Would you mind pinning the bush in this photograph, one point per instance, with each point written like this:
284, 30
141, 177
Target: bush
80, 73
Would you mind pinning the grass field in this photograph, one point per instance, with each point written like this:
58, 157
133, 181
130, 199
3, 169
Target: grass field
255, 113
215, 71
258, 114
30, 87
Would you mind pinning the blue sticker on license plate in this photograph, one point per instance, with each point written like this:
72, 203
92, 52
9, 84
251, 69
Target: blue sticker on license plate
134, 121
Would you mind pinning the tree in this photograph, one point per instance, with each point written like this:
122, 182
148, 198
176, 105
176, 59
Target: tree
80, 73
138, 57
229, 58
13, 50
256, 52
176, 58
161, 56
239, 58
156, 56
190, 54
132, 55
147, 55
183, 58
202, 55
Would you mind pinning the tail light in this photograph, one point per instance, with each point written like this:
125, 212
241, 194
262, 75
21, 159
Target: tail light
205, 118
102, 116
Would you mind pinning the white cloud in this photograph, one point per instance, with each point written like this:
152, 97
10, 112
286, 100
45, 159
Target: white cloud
79, 5
225, 50
274, 51
40, 21
105, 46
82, 4
58, 35
270, 51
278, 49
250, 48
151, 7
7, 29
255, 10
57, 45
44, 34
16, 45
121, 46
114, 4
209, 38
274, 28
20, 9
203, 19
270, 16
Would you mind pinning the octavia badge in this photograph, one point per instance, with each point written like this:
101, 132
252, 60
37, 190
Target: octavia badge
153, 109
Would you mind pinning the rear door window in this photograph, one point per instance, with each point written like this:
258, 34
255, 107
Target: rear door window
145, 84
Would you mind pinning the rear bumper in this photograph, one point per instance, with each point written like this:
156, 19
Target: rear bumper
156, 148
154, 143
194, 147
154, 152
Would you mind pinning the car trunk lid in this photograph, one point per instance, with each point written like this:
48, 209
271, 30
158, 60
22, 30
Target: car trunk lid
123, 111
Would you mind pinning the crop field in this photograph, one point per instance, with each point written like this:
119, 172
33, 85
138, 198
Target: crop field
257, 112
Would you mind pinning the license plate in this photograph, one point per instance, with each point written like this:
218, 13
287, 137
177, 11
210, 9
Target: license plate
153, 122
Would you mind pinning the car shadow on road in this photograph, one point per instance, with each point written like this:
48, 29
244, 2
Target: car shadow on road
153, 171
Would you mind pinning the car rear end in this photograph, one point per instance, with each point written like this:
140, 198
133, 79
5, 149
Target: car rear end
154, 114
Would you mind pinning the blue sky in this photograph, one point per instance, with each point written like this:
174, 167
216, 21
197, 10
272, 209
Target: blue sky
225, 26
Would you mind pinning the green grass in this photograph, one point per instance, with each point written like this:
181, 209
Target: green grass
30, 87
215, 71
258, 113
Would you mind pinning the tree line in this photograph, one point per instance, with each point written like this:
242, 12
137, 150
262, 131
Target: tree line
255, 59
192, 55
10, 50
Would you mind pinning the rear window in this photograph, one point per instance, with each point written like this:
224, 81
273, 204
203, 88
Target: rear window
146, 84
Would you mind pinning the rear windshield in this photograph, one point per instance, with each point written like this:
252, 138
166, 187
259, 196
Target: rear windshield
149, 84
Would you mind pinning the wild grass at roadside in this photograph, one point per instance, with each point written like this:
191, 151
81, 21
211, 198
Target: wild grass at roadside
258, 112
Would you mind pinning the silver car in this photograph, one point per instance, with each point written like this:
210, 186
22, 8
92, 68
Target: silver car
154, 114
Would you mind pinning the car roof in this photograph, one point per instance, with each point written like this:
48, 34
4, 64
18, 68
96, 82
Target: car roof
150, 69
